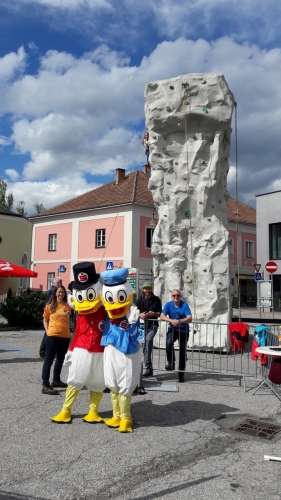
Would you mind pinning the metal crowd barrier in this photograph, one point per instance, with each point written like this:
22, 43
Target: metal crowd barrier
209, 351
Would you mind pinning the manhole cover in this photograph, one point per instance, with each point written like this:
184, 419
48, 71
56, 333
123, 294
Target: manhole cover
257, 428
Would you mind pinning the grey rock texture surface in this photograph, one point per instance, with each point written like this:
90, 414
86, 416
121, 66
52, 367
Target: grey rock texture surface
189, 124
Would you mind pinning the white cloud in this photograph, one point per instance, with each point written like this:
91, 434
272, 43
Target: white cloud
51, 192
12, 63
13, 174
78, 117
70, 4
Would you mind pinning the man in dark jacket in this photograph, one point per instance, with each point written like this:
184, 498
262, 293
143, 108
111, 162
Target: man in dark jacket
150, 309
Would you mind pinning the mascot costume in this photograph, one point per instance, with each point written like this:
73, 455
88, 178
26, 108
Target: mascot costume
122, 356
85, 354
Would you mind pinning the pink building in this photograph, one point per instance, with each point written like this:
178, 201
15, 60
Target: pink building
114, 224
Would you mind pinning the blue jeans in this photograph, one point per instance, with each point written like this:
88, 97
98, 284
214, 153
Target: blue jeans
55, 346
174, 334
150, 332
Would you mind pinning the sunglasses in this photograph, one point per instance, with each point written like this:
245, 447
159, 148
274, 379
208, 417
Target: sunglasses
178, 295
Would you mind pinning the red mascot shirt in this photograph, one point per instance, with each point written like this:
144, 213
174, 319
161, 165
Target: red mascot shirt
88, 331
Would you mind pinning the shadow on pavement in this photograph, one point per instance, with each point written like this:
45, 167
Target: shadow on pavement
148, 414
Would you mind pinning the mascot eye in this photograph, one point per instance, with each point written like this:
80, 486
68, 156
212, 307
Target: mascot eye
91, 294
79, 296
109, 297
122, 296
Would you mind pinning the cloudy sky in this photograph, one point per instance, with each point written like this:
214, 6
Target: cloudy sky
72, 79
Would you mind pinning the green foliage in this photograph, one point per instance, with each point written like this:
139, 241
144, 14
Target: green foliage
6, 200
20, 208
39, 208
9, 293
25, 310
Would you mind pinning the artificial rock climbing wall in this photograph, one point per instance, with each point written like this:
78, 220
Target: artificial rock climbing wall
189, 123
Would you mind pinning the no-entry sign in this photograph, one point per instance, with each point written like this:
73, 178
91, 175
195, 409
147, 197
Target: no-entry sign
271, 267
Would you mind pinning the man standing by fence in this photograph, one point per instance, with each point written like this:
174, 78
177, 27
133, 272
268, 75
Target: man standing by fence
177, 313
150, 309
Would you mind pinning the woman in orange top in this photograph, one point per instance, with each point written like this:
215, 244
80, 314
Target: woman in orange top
56, 323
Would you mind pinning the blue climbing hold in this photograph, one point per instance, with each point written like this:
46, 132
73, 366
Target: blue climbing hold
187, 213
171, 87
205, 110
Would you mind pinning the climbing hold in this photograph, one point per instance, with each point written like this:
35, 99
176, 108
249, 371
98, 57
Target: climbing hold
187, 213
165, 215
205, 270
159, 164
168, 108
197, 124
154, 136
204, 81
205, 110
171, 87
184, 177
179, 124
186, 102
203, 162
176, 163
200, 202
204, 314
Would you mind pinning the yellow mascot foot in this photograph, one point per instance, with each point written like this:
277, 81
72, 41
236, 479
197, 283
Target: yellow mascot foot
126, 425
93, 418
112, 422
63, 417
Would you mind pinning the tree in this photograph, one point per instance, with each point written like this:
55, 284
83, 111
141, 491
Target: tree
20, 208
6, 200
39, 208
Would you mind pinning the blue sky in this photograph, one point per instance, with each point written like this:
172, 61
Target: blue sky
72, 80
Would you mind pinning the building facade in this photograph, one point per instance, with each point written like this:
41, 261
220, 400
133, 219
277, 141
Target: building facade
114, 224
15, 247
269, 240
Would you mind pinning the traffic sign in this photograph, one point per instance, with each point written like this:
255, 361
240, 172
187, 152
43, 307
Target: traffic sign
62, 268
257, 277
271, 267
109, 266
257, 267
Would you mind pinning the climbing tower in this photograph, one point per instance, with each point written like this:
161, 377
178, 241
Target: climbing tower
189, 123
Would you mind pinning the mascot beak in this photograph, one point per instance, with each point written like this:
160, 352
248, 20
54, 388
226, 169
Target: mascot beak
117, 310
87, 306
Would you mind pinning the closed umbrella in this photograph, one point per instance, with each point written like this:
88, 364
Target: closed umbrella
7, 269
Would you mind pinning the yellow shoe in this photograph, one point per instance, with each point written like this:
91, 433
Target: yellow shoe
126, 425
93, 418
63, 417
112, 422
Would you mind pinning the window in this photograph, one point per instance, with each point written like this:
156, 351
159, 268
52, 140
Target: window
149, 237
275, 241
100, 238
249, 249
52, 242
51, 277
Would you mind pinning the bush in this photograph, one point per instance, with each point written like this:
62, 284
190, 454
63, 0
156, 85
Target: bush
25, 310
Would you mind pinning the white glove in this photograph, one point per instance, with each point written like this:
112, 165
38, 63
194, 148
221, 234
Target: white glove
133, 315
67, 359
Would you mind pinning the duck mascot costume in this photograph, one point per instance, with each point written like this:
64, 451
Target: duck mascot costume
122, 356
85, 354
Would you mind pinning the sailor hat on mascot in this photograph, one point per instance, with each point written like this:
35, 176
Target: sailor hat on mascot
85, 354
122, 357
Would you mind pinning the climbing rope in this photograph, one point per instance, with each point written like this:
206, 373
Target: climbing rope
237, 210
118, 210
187, 102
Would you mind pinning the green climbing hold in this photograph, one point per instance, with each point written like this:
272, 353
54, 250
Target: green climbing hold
205, 110
187, 213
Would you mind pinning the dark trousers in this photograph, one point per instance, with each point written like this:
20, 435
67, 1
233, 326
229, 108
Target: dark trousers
42, 348
150, 332
173, 335
55, 346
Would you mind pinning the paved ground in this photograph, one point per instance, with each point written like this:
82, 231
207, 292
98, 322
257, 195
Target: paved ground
181, 448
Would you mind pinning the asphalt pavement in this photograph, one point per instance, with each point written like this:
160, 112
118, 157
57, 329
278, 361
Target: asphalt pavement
182, 446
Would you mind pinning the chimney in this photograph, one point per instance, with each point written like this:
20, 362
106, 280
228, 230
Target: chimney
120, 175
146, 169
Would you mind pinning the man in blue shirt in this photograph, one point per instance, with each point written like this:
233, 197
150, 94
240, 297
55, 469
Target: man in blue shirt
177, 313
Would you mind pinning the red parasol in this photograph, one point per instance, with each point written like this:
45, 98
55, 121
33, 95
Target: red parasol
8, 269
